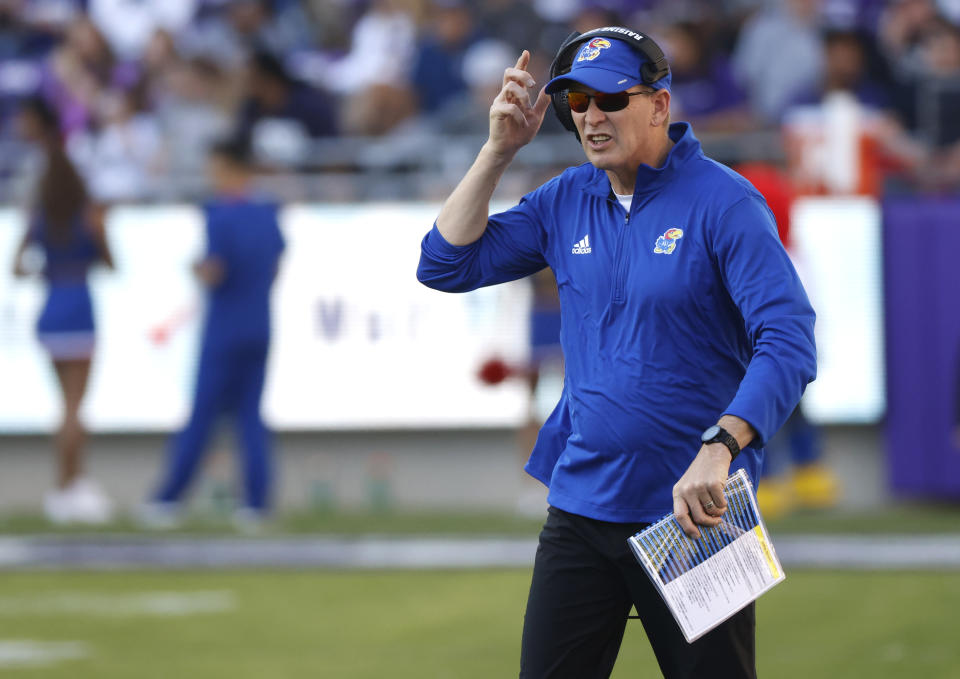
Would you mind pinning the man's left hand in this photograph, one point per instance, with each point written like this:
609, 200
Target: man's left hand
698, 495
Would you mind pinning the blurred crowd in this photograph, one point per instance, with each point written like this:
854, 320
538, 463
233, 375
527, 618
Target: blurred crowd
143, 88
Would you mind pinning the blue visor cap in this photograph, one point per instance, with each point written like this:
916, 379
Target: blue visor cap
606, 65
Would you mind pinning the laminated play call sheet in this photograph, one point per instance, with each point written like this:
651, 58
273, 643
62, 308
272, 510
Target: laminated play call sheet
707, 580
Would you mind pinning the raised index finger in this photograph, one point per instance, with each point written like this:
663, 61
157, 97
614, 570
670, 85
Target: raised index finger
524, 60
517, 73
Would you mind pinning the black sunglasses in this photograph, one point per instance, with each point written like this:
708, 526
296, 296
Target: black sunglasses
580, 101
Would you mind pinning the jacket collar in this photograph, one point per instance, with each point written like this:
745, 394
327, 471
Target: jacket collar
649, 179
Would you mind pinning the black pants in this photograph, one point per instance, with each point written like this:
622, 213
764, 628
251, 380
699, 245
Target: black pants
585, 579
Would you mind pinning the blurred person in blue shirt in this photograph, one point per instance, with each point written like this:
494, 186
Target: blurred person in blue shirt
68, 228
244, 245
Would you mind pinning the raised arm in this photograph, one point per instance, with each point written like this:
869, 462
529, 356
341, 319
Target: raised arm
514, 121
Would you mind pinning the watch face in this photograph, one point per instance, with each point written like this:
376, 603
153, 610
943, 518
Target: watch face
710, 433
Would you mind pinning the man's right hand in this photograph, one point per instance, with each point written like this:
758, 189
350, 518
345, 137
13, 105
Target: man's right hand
514, 120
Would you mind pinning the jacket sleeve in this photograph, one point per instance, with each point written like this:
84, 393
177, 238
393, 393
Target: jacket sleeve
777, 316
511, 247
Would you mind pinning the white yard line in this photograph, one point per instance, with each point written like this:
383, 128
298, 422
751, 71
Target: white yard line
31, 653
880, 552
114, 605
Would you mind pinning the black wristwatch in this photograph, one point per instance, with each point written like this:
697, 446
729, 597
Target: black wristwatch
717, 434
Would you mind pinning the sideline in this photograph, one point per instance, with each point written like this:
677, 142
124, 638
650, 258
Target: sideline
882, 552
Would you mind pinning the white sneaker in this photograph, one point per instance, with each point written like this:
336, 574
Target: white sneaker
88, 503
56, 506
80, 502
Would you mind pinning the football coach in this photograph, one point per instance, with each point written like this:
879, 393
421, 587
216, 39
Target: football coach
687, 337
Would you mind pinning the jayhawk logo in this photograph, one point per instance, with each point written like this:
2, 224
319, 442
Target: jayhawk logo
667, 243
591, 50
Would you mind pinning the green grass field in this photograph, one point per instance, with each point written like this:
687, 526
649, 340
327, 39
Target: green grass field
426, 625
433, 624
904, 518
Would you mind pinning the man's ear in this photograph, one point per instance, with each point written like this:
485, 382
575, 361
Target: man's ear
661, 109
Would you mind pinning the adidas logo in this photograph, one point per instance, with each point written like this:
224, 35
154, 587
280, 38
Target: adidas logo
583, 247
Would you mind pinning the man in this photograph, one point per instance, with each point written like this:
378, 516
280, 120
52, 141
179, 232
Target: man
680, 311
244, 245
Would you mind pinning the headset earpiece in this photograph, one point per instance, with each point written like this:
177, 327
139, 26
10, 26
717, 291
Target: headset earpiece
561, 64
652, 70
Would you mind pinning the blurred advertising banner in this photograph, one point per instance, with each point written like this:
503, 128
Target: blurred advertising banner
357, 341
836, 247
921, 243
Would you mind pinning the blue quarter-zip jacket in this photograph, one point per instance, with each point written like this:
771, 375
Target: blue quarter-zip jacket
684, 310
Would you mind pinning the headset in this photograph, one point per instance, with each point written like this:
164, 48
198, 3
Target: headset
654, 68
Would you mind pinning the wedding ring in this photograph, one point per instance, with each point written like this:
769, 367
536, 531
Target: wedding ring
708, 505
